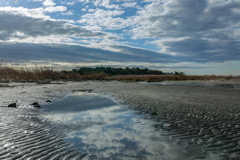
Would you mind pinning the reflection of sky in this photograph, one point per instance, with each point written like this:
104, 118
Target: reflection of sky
99, 126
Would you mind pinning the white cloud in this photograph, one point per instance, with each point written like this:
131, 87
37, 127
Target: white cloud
68, 3
55, 9
130, 5
103, 18
106, 4
145, 14
34, 13
91, 10
68, 13
84, 1
49, 3
32, 23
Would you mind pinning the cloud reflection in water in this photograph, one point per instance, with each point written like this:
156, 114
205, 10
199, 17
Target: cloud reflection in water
106, 129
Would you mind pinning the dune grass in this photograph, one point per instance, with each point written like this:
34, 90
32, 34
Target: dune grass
40, 73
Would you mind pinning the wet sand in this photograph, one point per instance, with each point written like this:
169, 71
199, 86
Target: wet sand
208, 116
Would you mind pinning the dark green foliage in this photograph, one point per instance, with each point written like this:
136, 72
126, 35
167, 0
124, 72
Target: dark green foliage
178, 73
110, 71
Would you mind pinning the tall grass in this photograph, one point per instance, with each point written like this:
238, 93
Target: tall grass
40, 73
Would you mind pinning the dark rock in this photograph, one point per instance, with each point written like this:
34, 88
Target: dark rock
36, 105
12, 105
154, 113
48, 101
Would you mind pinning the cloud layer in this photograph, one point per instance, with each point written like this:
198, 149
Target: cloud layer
20, 26
150, 31
201, 30
77, 53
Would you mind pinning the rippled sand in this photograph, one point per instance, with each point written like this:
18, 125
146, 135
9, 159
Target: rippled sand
26, 135
206, 115
209, 116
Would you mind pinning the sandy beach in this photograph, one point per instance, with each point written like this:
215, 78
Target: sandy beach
206, 115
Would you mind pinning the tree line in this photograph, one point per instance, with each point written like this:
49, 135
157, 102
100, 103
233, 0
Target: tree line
110, 71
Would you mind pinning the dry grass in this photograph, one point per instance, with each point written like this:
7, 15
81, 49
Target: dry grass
96, 76
24, 73
159, 78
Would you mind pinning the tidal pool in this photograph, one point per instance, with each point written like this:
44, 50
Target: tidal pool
105, 129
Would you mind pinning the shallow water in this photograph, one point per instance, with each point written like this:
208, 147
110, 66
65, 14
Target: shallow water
105, 129
89, 126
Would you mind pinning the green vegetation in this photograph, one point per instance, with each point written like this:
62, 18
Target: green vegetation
110, 71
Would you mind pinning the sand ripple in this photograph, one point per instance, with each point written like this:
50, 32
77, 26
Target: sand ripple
26, 135
208, 117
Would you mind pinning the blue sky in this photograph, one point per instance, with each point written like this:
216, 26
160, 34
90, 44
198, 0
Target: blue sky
193, 36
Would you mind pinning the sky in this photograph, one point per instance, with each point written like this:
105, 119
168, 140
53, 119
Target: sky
190, 36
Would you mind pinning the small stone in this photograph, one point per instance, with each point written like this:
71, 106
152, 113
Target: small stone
12, 105
36, 105
48, 101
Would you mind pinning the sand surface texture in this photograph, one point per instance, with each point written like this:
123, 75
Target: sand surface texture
209, 116
24, 134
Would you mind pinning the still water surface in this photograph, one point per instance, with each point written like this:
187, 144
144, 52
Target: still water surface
107, 130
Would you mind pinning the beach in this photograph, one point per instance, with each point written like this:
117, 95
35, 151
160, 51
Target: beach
207, 112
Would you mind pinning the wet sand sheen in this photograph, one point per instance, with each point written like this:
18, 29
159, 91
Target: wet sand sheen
205, 116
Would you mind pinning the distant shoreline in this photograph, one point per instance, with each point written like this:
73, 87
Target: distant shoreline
45, 74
